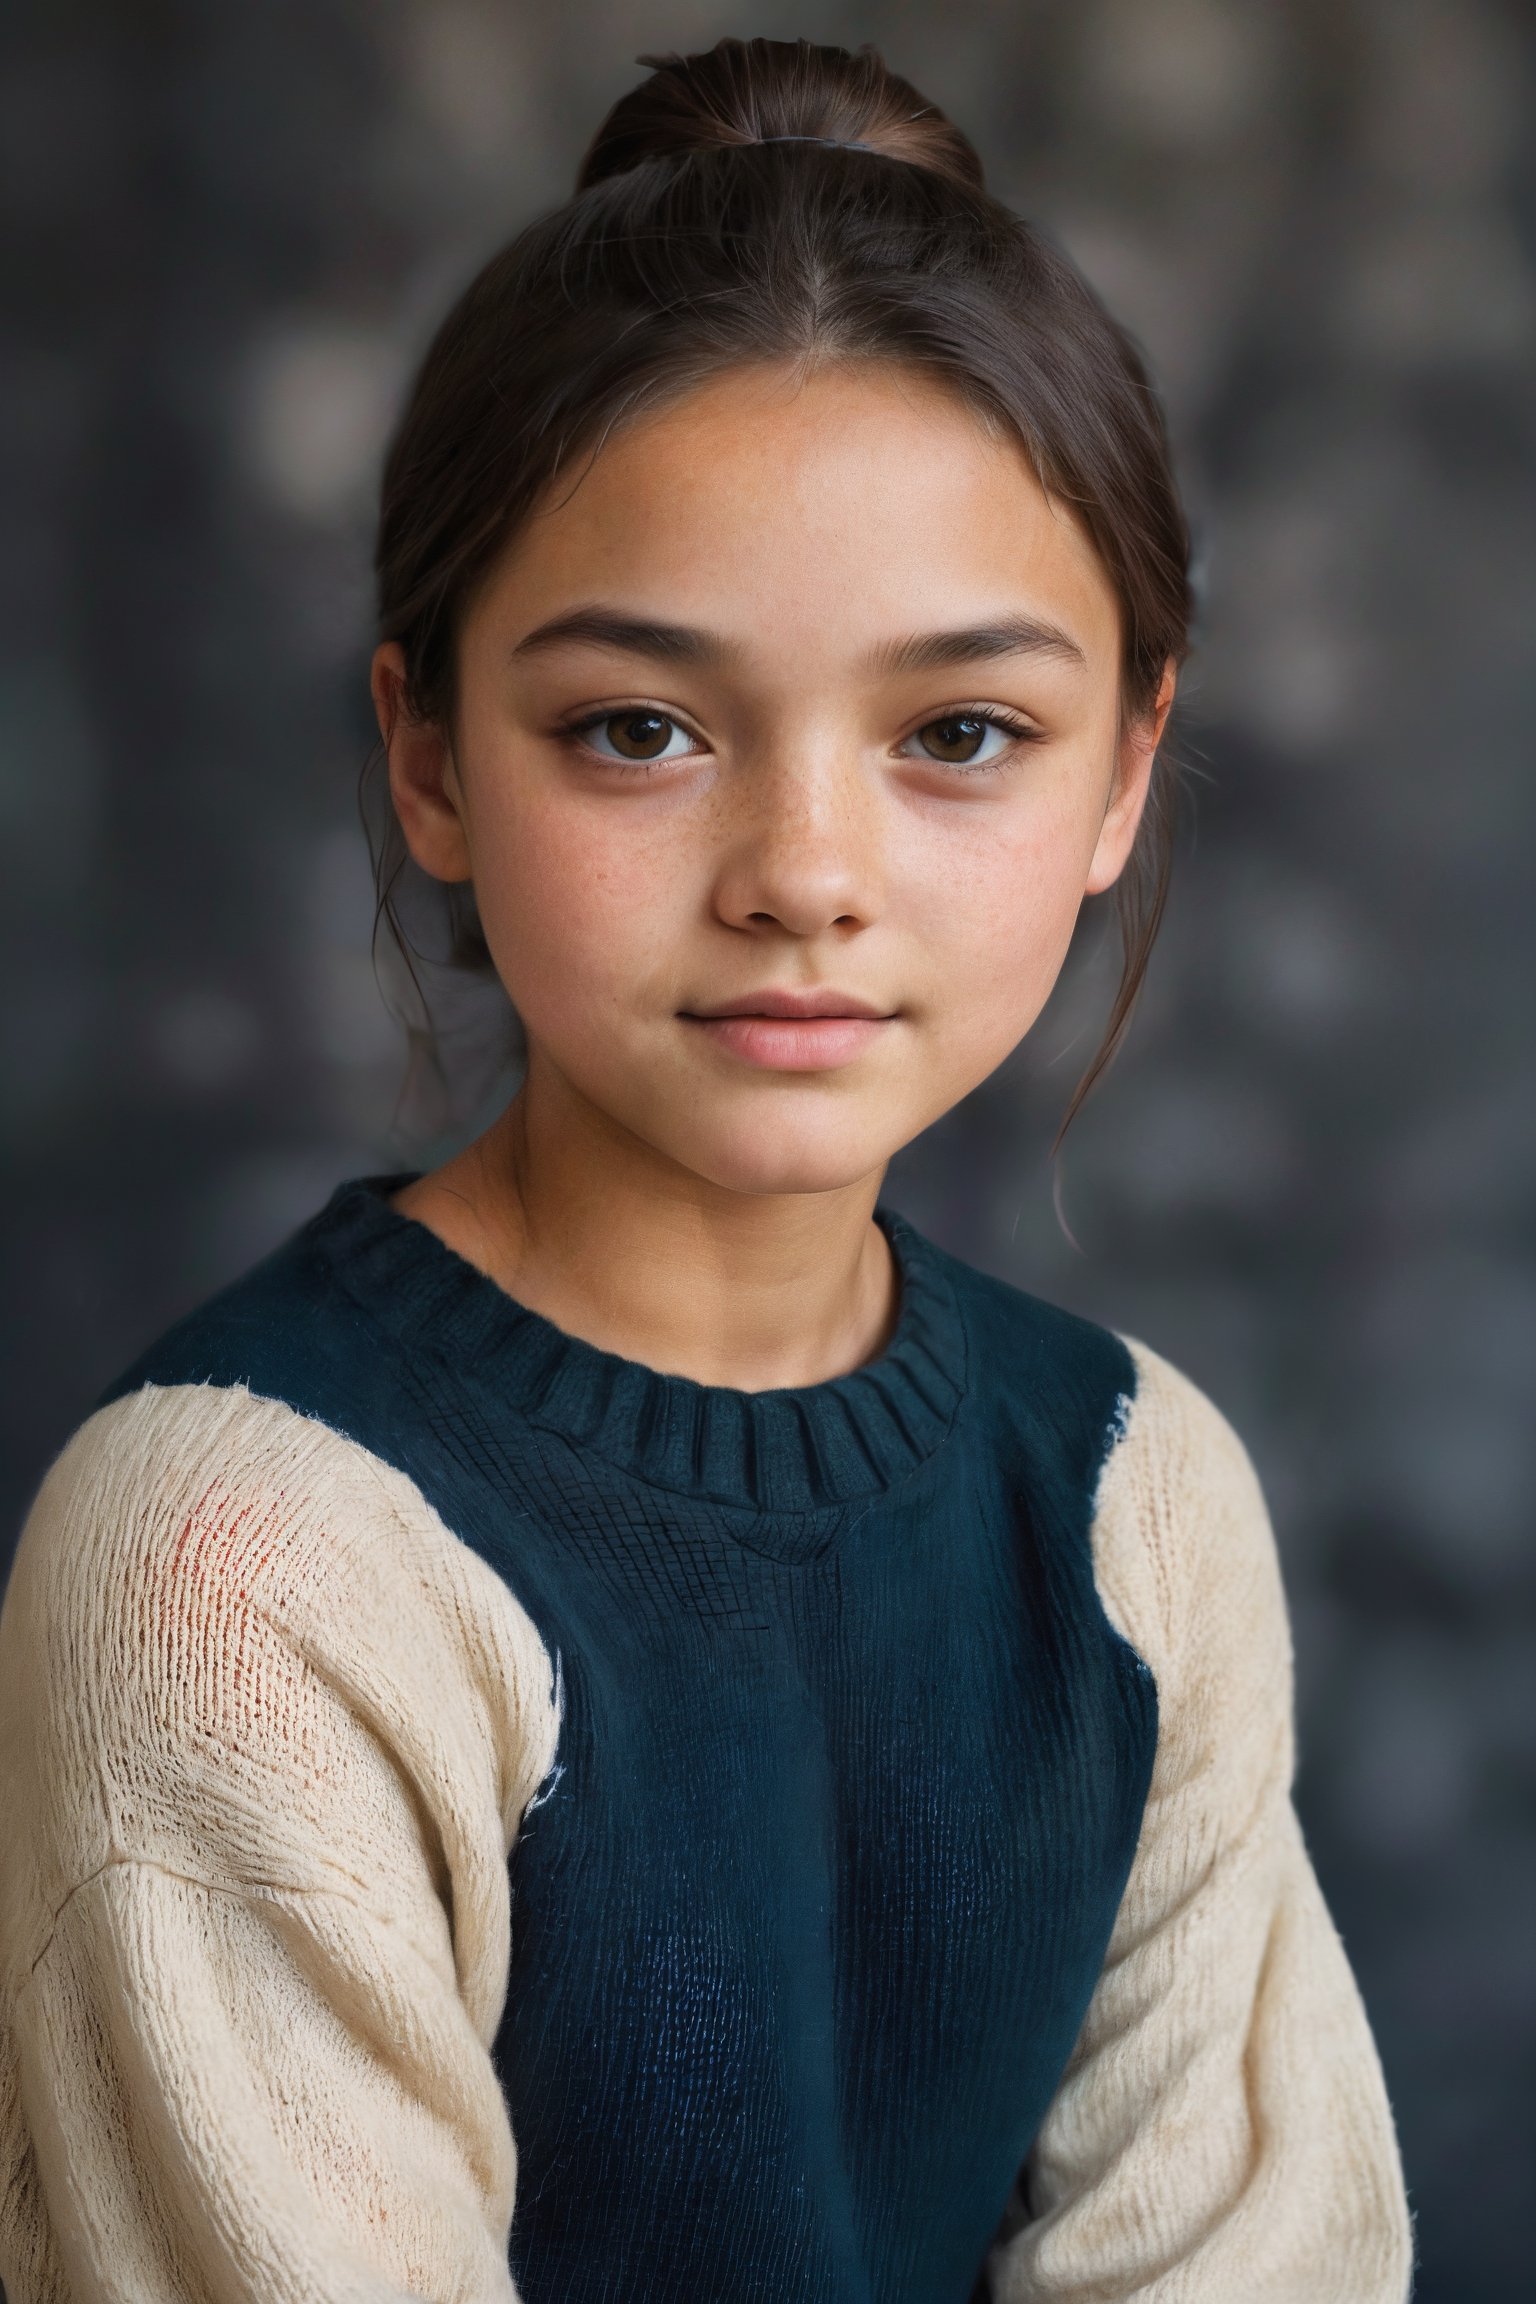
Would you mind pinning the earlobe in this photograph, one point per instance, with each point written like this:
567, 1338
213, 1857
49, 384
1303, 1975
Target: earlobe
422, 782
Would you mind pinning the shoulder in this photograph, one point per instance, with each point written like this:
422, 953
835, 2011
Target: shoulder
1179, 1465
1042, 1381
203, 1483
190, 1507
1169, 1476
1015, 1335
222, 1608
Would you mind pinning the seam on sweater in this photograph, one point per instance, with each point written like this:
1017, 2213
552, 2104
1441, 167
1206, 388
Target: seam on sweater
376, 1468
269, 1894
418, 1791
1152, 1372
1119, 1429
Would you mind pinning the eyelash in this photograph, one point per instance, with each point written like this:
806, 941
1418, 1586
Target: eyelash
1019, 731
575, 731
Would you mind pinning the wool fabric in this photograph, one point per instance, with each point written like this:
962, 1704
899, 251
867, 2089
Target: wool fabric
490, 1821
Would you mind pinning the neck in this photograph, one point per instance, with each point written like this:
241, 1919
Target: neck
620, 1246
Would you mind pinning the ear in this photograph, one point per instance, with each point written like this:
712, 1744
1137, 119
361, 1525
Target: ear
1139, 741
423, 781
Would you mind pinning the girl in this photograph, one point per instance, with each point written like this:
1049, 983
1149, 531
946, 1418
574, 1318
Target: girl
609, 1722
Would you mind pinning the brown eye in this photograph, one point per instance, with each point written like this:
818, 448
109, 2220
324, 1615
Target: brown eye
963, 739
636, 736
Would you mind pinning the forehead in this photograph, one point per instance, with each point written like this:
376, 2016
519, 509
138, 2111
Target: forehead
849, 502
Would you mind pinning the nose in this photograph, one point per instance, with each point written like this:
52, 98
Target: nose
802, 852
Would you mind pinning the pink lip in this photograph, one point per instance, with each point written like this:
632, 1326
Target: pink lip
822, 1001
793, 1031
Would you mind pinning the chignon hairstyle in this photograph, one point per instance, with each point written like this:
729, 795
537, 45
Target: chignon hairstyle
761, 201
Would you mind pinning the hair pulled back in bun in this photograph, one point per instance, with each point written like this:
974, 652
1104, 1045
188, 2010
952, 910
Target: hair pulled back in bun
766, 91
770, 200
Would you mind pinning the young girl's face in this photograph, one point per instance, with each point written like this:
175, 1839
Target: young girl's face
788, 744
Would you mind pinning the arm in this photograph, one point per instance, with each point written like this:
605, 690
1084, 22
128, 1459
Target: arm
1222, 2134
266, 1732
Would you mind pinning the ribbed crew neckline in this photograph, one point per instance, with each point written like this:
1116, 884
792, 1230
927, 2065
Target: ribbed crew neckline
795, 1449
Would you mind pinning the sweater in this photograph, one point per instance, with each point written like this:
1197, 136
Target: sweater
489, 1820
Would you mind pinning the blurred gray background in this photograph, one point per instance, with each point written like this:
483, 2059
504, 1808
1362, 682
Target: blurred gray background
1309, 1178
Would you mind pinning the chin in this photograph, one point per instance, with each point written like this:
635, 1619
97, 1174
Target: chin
765, 1160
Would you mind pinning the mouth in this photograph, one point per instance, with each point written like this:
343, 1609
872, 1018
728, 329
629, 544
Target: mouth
792, 1031
818, 1002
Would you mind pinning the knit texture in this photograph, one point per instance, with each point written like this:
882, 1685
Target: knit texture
798, 1819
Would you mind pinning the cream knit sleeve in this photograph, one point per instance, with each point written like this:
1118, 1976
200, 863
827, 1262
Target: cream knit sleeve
1222, 2134
266, 1732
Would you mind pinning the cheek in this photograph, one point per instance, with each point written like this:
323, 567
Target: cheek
574, 903
996, 914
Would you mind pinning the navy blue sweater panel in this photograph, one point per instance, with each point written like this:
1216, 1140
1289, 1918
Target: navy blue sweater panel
807, 1917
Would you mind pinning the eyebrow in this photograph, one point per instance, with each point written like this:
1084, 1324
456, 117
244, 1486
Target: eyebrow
629, 636
685, 644
977, 643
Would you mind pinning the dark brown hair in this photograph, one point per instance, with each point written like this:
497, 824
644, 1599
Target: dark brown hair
761, 201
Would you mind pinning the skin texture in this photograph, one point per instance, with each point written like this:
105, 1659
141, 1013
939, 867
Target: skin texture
698, 1195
